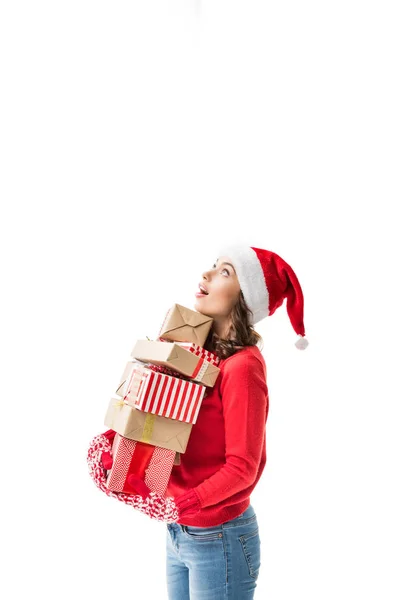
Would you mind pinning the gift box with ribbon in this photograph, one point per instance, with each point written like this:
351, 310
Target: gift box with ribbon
147, 428
200, 351
150, 463
181, 324
163, 395
126, 375
178, 358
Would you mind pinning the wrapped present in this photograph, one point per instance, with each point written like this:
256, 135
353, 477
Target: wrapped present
164, 395
150, 463
200, 351
125, 377
178, 358
131, 388
182, 324
166, 370
161, 508
147, 428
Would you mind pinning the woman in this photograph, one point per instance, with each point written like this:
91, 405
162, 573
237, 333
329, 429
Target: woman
213, 549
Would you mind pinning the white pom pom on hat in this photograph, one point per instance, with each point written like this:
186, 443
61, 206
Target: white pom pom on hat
266, 280
302, 342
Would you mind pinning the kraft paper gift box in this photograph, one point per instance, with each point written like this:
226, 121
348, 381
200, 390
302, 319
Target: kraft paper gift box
164, 395
199, 351
150, 463
178, 358
182, 324
147, 427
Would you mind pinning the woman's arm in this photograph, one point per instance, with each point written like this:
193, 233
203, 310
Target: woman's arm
244, 395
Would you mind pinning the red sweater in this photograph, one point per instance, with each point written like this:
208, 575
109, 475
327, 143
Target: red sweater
226, 452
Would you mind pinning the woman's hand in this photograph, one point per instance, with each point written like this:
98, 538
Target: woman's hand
187, 504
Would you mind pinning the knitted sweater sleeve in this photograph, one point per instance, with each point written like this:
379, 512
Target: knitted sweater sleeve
244, 396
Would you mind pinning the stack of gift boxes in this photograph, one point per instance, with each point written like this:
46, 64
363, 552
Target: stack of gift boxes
158, 401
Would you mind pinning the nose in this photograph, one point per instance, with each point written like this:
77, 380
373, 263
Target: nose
208, 274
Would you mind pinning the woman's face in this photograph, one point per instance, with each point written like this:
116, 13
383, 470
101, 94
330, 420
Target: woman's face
223, 289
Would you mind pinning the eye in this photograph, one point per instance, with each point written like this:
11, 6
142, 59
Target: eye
224, 269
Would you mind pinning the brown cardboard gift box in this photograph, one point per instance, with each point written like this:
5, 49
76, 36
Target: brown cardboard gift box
182, 324
147, 427
176, 358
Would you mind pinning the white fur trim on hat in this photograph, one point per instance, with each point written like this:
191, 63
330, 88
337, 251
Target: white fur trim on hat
251, 279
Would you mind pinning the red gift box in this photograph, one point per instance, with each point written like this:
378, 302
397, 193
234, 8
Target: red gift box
150, 463
164, 395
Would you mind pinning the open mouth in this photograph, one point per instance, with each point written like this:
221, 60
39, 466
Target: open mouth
202, 291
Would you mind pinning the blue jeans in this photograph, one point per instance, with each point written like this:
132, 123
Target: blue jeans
214, 563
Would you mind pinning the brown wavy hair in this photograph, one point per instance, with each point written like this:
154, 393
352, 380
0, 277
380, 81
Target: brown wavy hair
240, 333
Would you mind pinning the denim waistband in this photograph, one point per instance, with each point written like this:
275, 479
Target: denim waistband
247, 516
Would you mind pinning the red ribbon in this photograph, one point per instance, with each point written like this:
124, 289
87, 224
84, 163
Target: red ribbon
198, 367
140, 459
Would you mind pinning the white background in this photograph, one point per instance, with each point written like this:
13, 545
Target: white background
136, 136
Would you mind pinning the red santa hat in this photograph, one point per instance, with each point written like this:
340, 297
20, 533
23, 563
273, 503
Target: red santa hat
266, 280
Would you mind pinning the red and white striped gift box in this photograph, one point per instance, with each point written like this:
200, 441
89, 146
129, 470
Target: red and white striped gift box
166, 395
134, 383
200, 351
151, 463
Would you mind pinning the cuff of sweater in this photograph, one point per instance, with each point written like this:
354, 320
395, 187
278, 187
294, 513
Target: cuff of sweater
188, 502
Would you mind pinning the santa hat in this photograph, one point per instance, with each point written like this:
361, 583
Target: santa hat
266, 280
